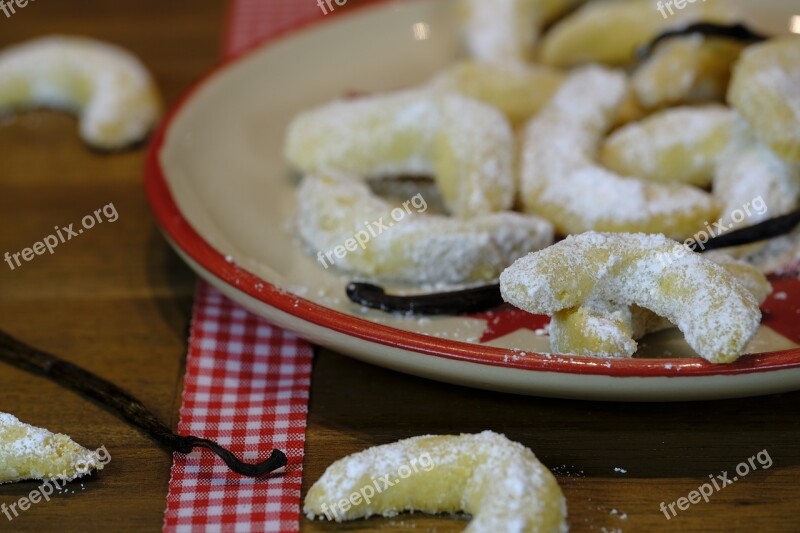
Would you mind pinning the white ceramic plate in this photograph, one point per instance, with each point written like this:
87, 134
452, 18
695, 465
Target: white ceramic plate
220, 188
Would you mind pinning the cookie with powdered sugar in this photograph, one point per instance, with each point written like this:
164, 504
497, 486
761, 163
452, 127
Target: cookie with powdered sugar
499, 482
28, 452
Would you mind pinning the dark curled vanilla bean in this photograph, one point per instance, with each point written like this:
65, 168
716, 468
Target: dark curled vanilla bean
737, 32
443, 303
36, 361
486, 297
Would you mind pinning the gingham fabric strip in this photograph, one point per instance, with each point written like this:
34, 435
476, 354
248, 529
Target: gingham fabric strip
247, 382
246, 387
253, 21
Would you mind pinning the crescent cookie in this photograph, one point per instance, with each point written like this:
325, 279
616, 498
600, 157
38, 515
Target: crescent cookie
717, 314
610, 32
518, 90
752, 182
681, 144
686, 70
507, 30
562, 181
467, 146
606, 329
764, 89
107, 87
28, 452
499, 482
386, 241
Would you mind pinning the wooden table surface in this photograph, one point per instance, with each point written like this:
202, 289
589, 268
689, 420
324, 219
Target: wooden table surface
117, 301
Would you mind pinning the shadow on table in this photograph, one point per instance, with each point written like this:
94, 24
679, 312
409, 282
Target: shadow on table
582, 438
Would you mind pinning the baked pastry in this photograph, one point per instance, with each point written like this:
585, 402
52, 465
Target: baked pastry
505, 31
28, 452
764, 89
610, 32
562, 181
518, 90
716, 313
681, 144
346, 225
752, 181
107, 87
466, 145
686, 70
606, 329
499, 482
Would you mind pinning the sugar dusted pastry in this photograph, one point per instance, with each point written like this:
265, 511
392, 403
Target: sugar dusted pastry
687, 69
518, 90
780, 254
765, 89
499, 482
562, 181
507, 30
611, 31
597, 327
681, 144
746, 274
111, 91
419, 247
606, 329
716, 313
752, 182
466, 145
28, 452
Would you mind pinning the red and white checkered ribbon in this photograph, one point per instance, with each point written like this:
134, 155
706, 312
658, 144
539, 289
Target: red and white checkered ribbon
253, 21
247, 382
246, 387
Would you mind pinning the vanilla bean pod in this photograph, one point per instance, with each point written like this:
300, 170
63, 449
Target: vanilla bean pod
66, 374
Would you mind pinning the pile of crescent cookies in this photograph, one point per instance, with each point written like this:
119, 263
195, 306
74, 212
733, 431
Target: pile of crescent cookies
559, 134
563, 136
538, 135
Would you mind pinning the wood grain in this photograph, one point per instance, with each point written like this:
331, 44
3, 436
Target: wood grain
117, 301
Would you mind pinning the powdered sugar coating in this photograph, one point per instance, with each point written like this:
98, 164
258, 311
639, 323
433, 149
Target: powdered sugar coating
717, 315
676, 61
507, 30
682, 145
597, 327
108, 87
28, 452
500, 482
607, 329
562, 182
519, 90
776, 255
610, 32
421, 248
747, 171
764, 89
686, 69
466, 145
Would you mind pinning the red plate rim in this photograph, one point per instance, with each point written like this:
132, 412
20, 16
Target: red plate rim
184, 235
